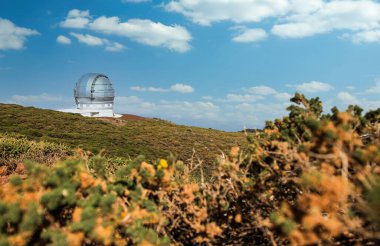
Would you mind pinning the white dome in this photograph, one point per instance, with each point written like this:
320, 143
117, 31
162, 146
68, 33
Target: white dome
94, 90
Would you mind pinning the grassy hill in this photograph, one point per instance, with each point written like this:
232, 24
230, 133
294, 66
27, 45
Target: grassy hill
127, 136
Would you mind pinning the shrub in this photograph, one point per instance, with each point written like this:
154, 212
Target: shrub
16, 148
308, 178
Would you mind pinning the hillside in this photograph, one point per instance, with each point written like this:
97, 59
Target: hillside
124, 137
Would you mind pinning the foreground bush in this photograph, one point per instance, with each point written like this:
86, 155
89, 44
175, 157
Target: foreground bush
68, 205
308, 178
16, 148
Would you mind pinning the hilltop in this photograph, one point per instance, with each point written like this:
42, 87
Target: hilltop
129, 136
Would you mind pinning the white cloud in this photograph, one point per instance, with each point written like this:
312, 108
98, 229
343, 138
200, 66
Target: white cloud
370, 36
347, 98
76, 19
96, 41
128, 99
261, 109
44, 97
172, 110
250, 35
149, 89
143, 31
346, 15
207, 98
114, 47
185, 109
375, 88
314, 86
283, 96
13, 37
255, 94
294, 30
231, 97
360, 19
261, 90
181, 88
370, 104
88, 39
147, 32
63, 40
302, 7
206, 12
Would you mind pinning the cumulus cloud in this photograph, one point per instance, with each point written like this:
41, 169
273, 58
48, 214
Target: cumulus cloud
220, 115
207, 98
255, 94
128, 99
347, 98
173, 37
330, 16
314, 86
76, 19
183, 109
88, 39
63, 40
282, 96
369, 36
149, 89
261, 90
207, 12
172, 110
147, 32
234, 111
13, 37
250, 35
231, 97
375, 88
293, 18
370, 104
96, 41
114, 47
181, 88
44, 97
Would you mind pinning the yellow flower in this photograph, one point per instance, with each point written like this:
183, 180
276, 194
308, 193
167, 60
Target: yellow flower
162, 164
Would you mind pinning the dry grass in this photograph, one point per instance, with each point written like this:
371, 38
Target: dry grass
129, 136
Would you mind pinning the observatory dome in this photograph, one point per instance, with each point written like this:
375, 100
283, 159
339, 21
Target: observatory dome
94, 91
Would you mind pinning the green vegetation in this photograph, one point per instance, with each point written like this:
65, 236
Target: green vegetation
152, 138
306, 179
15, 148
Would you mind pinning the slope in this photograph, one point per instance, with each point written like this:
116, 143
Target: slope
128, 136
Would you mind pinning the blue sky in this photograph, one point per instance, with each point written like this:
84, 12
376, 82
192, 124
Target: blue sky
209, 63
